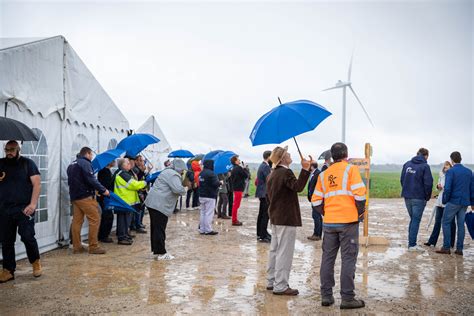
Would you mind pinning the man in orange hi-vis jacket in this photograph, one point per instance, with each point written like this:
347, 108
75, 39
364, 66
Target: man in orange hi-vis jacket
340, 197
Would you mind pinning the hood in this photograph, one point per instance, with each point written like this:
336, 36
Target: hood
418, 159
178, 165
195, 166
209, 164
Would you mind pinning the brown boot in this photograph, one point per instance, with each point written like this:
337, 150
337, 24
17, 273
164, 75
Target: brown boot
37, 270
6, 276
97, 251
78, 251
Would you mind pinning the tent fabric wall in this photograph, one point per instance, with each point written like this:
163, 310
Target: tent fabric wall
45, 85
157, 153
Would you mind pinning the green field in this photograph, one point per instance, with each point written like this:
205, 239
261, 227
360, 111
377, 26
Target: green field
383, 185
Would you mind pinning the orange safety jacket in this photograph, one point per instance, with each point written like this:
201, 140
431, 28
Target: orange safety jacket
339, 187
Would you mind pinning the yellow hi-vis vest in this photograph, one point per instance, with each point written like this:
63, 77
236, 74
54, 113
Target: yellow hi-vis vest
339, 186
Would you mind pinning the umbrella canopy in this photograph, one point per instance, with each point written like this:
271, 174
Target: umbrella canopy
210, 155
11, 129
286, 121
326, 155
181, 153
152, 177
222, 162
116, 204
102, 160
135, 143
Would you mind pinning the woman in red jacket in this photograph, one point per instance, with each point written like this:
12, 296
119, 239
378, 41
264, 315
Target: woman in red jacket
238, 177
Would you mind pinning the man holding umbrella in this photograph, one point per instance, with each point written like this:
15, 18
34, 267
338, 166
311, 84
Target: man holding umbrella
285, 216
20, 186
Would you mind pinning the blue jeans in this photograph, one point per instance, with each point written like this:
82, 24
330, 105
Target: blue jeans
451, 211
437, 228
318, 223
415, 209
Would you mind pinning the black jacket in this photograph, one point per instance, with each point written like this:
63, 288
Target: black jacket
238, 177
81, 180
208, 181
105, 178
312, 183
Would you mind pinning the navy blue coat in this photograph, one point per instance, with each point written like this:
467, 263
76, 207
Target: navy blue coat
81, 180
208, 182
262, 174
416, 179
458, 186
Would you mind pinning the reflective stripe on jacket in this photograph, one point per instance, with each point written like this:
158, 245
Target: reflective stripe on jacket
339, 187
126, 187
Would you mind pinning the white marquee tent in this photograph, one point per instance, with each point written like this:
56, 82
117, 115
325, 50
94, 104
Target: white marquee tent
45, 85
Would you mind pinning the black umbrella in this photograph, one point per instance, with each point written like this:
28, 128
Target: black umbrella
326, 155
14, 130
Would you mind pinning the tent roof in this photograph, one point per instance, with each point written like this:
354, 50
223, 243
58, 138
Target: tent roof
46, 76
151, 127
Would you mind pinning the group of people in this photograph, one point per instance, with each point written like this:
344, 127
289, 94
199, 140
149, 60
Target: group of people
456, 194
336, 192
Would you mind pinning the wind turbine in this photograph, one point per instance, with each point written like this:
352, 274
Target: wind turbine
344, 85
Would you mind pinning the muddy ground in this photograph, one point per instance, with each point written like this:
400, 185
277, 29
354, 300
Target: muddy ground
225, 274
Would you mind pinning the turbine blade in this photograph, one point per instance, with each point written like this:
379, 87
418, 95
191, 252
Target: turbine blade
367, 114
332, 88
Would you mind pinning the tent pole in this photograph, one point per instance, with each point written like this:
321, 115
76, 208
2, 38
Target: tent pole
298, 147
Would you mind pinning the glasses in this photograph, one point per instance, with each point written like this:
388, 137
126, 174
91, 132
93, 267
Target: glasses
11, 149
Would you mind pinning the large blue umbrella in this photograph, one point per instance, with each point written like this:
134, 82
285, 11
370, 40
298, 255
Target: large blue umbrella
287, 121
222, 162
152, 177
210, 155
102, 160
135, 143
181, 153
116, 204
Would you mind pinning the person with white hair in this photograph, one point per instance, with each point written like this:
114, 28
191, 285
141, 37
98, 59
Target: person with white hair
161, 201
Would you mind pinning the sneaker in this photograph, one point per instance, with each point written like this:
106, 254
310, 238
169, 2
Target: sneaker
352, 304
141, 231
97, 251
314, 237
289, 291
415, 248
458, 252
37, 270
6, 276
264, 240
327, 301
237, 223
107, 240
428, 244
126, 242
165, 256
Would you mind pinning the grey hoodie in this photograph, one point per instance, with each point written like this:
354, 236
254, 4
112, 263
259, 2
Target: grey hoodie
167, 188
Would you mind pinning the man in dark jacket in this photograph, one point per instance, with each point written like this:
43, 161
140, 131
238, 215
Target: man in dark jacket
317, 218
417, 183
82, 187
105, 178
285, 216
238, 177
457, 196
261, 193
208, 187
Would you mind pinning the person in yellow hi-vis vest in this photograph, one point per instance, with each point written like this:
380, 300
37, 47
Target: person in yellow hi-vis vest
340, 197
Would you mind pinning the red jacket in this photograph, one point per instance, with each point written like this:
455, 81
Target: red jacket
197, 170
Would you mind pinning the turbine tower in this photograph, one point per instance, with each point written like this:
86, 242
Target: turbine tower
344, 85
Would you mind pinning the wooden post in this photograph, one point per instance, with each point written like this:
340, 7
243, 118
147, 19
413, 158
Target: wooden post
368, 153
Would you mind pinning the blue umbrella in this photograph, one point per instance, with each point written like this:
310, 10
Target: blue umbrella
135, 143
152, 177
102, 160
287, 121
210, 155
116, 204
181, 153
222, 162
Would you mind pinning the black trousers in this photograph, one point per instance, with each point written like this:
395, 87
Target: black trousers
9, 224
222, 204
262, 219
195, 197
158, 222
189, 194
230, 196
106, 223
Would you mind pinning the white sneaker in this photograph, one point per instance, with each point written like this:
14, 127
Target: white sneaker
416, 248
165, 256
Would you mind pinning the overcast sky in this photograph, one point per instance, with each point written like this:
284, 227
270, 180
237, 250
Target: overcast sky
208, 70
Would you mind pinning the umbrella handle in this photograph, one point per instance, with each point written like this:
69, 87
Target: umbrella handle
298, 147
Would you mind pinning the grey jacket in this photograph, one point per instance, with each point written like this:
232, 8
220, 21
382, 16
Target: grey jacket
165, 192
